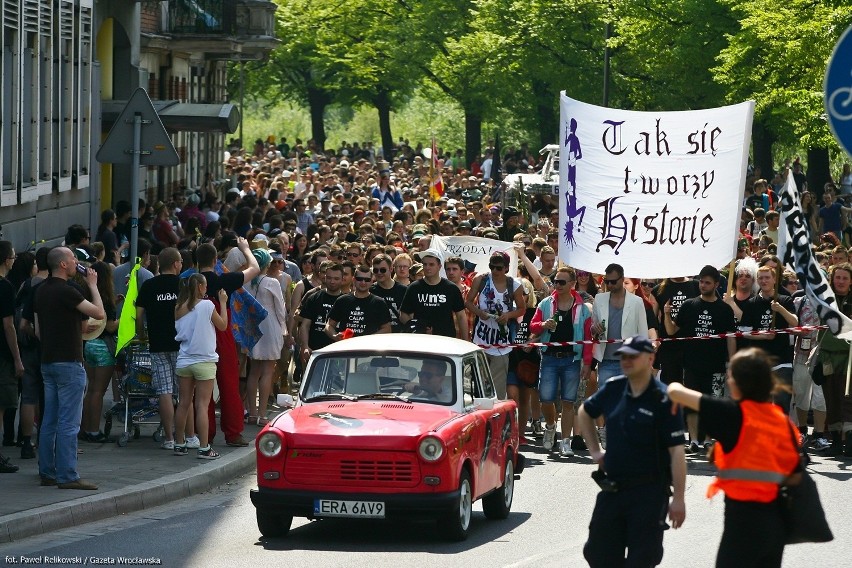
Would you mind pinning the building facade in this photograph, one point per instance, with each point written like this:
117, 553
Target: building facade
67, 67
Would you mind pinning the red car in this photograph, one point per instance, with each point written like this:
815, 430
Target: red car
390, 426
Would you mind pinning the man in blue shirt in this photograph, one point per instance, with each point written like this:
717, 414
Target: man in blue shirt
643, 462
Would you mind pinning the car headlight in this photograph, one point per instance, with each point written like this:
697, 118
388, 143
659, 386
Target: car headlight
431, 448
269, 445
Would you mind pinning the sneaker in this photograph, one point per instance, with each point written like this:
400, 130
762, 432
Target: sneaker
6, 466
578, 444
98, 438
168, 445
193, 443
707, 447
208, 453
238, 442
694, 448
602, 436
79, 484
820, 444
549, 437
180, 450
27, 452
47, 482
537, 428
565, 448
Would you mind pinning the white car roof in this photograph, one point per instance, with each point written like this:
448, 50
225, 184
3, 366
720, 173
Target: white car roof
403, 343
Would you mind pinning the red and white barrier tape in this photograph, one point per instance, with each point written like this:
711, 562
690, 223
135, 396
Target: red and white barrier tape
716, 336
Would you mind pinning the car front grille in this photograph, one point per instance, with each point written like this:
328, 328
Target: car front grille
343, 468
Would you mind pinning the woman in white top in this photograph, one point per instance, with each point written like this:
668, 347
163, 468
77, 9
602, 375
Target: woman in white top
267, 351
195, 317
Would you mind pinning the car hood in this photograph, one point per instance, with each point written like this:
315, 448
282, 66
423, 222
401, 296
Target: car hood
375, 424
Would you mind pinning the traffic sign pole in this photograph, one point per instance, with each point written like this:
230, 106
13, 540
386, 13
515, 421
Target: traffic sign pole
134, 186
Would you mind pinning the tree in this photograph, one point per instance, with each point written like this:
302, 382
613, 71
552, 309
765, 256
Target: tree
777, 57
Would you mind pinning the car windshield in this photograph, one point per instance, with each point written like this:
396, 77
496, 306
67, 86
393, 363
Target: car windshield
416, 378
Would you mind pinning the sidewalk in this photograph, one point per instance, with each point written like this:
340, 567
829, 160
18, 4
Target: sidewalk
138, 476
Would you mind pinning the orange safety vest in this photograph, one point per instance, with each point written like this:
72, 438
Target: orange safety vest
762, 459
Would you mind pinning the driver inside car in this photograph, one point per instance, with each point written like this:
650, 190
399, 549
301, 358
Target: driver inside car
433, 382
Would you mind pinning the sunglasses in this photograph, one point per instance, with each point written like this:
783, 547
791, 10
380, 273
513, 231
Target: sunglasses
353, 254
648, 284
496, 267
379, 270
560, 282
427, 374
364, 278
613, 282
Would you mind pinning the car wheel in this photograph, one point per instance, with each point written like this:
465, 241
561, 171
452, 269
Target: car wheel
496, 505
273, 525
455, 526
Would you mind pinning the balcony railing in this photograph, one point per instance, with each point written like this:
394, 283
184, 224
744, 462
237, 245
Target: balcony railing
207, 17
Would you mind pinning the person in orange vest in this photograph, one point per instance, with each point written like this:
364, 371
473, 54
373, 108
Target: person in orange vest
757, 449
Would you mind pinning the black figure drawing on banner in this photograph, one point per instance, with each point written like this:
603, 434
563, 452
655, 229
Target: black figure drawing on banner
573, 152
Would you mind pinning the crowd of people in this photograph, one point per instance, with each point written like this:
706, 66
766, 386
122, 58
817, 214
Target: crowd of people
337, 244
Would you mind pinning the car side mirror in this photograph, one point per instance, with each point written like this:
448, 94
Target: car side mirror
483, 403
285, 400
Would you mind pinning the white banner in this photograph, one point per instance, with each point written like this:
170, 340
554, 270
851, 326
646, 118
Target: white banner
475, 251
659, 193
794, 249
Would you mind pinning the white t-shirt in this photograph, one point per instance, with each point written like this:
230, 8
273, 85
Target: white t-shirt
197, 336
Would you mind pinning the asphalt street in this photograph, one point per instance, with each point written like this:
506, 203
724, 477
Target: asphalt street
548, 526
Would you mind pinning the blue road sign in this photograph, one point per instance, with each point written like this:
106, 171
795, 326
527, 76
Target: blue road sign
838, 91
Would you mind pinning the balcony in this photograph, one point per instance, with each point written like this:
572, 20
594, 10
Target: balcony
222, 29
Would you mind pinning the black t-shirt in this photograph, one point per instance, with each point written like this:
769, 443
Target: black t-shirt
59, 321
393, 298
230, 281
721, 419
678, 293
158, 297
433, 306
758, 316
364, 316
639, 430
698, 318
7, 309
522, 335
316, 307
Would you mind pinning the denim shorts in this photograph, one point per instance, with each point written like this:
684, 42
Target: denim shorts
97, 354
558, 373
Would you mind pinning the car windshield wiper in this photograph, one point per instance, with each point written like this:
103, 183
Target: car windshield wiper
382, 396
331, 396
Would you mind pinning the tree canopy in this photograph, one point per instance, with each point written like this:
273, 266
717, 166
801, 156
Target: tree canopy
494, 59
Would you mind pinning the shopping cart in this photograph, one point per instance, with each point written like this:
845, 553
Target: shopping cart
140, 402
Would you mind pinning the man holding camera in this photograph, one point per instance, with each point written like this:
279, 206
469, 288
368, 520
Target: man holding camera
643, 464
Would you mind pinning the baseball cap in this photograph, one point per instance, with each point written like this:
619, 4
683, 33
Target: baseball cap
434, 253
635, 345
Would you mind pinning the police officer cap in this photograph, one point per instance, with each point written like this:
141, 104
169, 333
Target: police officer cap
635, 345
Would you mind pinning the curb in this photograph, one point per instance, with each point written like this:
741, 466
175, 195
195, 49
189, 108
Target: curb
146, 495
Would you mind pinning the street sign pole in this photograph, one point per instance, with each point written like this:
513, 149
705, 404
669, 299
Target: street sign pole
134, 186
129, 143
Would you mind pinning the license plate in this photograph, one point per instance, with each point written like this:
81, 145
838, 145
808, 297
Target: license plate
352, 509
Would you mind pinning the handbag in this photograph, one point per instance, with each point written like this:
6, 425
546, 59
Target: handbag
801, 509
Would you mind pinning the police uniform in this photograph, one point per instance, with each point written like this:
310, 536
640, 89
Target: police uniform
630, 513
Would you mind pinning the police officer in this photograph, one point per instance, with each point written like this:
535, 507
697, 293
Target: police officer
643, 461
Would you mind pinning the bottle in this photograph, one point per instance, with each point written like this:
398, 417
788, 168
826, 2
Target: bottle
125, 253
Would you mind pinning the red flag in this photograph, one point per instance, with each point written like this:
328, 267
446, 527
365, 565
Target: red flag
436, 180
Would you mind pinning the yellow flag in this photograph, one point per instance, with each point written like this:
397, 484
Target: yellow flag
127, 321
